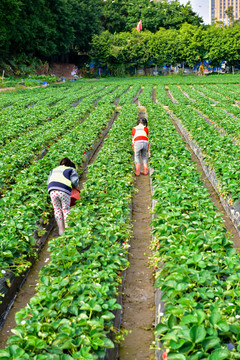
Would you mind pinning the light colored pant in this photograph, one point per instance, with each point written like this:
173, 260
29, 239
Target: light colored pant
61, 204
140, 149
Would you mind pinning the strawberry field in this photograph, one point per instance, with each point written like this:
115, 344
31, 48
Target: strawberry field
193, 255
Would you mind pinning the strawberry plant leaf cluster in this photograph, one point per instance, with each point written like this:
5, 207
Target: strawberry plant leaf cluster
30, 118
218, 150
222, 115
200, 272
25, 149
22, 98
71, 315
27, 201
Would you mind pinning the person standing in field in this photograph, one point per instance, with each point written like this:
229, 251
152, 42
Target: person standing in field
140, 145
60, 183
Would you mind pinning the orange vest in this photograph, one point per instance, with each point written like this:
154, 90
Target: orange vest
140, 133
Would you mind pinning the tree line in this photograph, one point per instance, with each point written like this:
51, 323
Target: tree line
51, 28
190, 44
105, 30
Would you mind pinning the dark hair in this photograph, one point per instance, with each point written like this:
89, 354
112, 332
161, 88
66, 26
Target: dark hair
67, 162
142, 121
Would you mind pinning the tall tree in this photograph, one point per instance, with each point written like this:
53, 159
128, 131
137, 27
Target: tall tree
223, 44
216, 44
9, 14
165, 47
34, 29
128, 50
192, 45
232, 56
47, 27
230, 15
86, 21
122, 15
100, 47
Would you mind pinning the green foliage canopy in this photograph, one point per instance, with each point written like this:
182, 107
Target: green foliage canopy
190, 44
46, 28
123, 15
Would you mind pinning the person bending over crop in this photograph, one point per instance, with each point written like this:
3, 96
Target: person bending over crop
60, 183
140, 145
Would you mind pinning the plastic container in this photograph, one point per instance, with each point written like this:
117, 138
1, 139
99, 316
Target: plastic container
63, 79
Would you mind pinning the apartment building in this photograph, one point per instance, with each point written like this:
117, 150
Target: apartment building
218, 7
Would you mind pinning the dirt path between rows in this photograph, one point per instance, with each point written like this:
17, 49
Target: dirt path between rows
7, 89
20, 88
138, 299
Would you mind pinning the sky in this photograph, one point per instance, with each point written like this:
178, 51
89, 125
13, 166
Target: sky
201, 7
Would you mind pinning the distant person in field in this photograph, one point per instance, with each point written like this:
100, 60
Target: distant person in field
60, 183
140, 145
74, 71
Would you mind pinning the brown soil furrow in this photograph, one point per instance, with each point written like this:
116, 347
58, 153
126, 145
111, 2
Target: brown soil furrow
139, 295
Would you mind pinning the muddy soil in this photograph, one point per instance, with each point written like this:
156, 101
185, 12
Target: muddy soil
62, 70
138, 299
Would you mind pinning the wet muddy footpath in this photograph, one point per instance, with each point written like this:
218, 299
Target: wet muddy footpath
138, 298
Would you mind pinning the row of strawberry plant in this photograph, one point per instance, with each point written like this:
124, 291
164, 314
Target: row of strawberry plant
22, 98
223, 122
195, 95
191, 80
229, 91
230, 107
9, 98
146, 96
71, 315
161, 96
200, 273
218, 151
38, 115
22, 105
28, 201
180, 97
212, 91
216, 115
116, 94
231, 88
31, 144
130, 94
13, 119
221, 100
